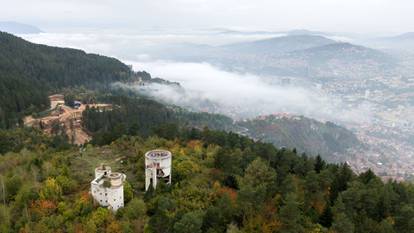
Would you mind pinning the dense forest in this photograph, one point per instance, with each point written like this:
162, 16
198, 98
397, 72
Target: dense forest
135, 115
29, 72
222, 182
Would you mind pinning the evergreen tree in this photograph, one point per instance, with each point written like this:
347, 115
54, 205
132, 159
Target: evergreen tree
404, 220
319, 164
326, 218
189, 223
291, 215
257, 184
341, 223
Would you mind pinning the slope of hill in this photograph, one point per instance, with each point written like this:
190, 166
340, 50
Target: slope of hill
29, 71
306, 135
222, 183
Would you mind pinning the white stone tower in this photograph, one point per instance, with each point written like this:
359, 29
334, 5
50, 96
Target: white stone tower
157, 167
108, 188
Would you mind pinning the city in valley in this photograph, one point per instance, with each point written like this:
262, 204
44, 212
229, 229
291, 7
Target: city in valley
390, 133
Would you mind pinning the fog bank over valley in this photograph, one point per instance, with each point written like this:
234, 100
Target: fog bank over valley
207, 88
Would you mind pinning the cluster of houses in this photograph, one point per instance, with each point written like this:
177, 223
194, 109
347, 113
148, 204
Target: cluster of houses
107, 188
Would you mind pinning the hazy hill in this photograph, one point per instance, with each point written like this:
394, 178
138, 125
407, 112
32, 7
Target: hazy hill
403, 42
341, 51
405, 36
333, 60
18, 28
238, 51
293, 55
264, 32
306, 135
408, 36
279, 45
306, 32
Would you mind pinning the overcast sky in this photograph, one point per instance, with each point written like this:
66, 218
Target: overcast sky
379, 16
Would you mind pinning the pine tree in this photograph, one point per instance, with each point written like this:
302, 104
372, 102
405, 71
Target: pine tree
341, 223
319, 164
291, 215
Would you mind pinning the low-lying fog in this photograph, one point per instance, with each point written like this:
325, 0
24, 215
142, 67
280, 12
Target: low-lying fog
207, 88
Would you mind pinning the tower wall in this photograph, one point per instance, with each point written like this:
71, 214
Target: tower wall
115, 197
100, 194
158, 167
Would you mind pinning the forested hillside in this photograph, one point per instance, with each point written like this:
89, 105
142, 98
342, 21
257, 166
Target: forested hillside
29, 72
135, 115
222, 182
305, 134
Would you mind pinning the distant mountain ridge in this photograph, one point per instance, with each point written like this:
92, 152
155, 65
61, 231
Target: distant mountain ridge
280, 45
268, 32
403, 42
308, 55
306, 32
404, 36
18, 28
407, 35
